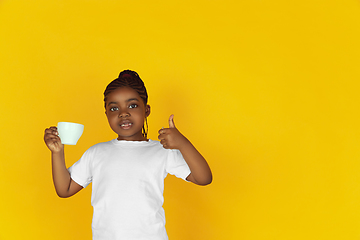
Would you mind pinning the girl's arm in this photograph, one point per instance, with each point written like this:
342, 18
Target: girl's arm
64, 185
171, 138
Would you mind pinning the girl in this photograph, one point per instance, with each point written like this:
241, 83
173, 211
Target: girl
128, 173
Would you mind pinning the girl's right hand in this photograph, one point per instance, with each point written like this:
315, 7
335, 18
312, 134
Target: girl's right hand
52, 140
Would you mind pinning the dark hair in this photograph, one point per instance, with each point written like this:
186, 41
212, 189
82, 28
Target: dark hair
131, 79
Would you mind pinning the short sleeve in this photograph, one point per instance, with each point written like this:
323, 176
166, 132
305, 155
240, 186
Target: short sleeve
80, 171
176, 164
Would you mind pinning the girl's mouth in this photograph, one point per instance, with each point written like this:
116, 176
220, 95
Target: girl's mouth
126, 125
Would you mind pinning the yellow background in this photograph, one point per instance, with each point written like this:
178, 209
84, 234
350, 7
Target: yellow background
268, 91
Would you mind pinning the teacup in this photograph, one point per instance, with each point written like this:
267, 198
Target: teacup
69, 132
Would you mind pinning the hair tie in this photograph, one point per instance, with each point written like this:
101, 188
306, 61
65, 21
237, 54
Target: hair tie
126, 75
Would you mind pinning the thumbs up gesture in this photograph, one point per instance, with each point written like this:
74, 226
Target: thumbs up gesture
170, 137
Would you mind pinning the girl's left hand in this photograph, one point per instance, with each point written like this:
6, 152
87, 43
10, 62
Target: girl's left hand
171, 138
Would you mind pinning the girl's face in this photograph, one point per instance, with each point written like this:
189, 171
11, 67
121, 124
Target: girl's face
126, 113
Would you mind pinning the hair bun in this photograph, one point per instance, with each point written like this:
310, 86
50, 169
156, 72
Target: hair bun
128, 73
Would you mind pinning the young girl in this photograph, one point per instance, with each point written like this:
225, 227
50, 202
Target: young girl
128, 173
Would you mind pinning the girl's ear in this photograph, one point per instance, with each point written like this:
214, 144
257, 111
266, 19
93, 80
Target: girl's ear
147, 110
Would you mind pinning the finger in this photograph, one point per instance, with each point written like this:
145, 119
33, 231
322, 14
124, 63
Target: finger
51, 133
51, 138
55, 130
162, 131
48, 130
52, 130
171, 121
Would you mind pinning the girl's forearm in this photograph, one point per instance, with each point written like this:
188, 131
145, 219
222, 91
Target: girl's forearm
61, 175
200, 170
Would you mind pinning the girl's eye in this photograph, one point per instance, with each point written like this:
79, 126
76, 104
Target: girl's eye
113, 109
133, 106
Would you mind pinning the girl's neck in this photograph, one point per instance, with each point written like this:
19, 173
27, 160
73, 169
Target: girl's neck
133, 140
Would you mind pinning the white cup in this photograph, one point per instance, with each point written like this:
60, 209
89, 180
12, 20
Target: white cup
69, 133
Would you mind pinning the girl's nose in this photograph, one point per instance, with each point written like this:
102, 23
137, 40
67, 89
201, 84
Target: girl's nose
124, 114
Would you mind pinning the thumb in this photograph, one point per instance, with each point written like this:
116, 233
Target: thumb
171, 121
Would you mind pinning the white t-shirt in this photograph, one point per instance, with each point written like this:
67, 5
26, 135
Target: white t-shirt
127, 187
